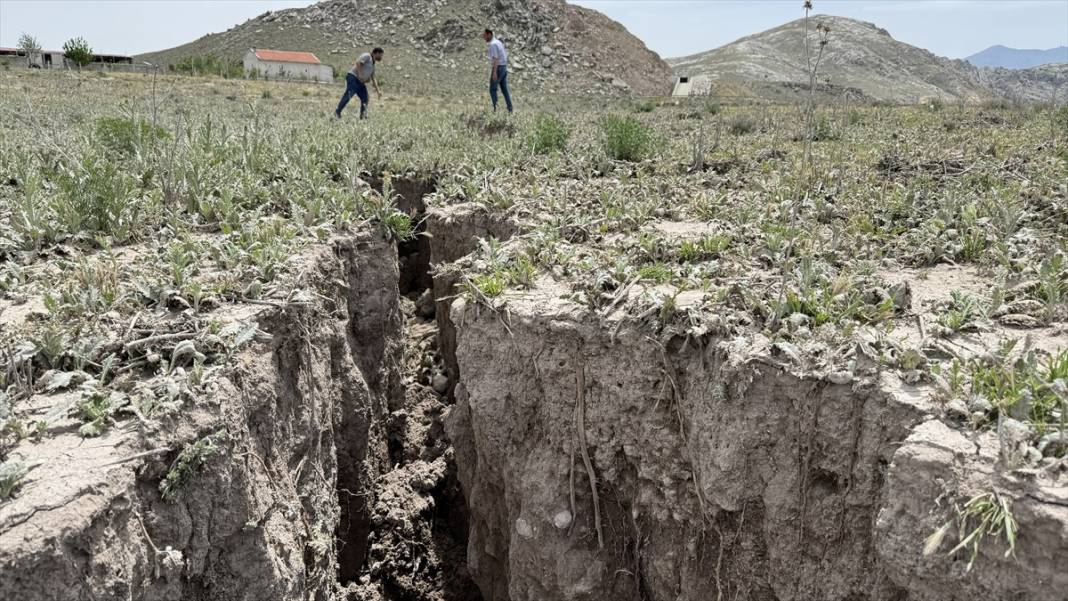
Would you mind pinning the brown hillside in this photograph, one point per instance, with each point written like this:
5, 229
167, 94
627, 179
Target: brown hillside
433, 46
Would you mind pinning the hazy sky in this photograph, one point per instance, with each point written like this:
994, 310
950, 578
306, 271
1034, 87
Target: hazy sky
954, 28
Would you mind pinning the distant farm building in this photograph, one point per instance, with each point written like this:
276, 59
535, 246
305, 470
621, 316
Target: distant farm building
699, 85
55, 59
283, 64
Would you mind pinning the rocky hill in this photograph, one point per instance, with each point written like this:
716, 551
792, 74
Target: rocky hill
1015, 58
860, 60
433, 46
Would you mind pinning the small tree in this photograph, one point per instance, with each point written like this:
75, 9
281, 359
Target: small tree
78, 51
32, 48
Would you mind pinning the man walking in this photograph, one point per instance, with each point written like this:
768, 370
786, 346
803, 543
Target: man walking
498, 58
356, 82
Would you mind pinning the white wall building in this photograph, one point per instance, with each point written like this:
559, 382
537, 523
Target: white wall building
699, 85
282, 64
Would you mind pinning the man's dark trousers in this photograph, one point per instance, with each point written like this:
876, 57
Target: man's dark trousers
354, 87
502, 81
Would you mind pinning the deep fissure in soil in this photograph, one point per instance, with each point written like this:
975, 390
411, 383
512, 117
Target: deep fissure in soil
408, 537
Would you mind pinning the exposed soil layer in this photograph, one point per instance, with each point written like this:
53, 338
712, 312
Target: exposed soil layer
455, 231
297, 418
600, 463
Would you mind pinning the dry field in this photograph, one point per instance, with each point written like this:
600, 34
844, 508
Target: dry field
649, 350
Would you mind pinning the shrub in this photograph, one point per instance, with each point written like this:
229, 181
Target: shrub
712, 108
96, 197
824, 131
626, 138
645, 107
78, 51
489, 124
266, 95
550, 135
742, 125
124, 135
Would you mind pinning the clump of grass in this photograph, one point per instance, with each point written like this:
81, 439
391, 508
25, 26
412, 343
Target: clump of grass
645, 107
490, 124
625, 138
550, 135
266, 95
1024, 388
984, 515
502, 271
188, 464
490, 285
712, 108
742, 125
658, 273
708, 247
398, 226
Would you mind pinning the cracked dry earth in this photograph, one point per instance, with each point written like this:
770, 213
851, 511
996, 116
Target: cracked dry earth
396, 439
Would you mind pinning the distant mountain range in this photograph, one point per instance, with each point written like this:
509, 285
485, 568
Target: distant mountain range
433, 47
860, 61
1015, 58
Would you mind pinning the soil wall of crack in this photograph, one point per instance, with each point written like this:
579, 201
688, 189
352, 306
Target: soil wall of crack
297, 418
606, 466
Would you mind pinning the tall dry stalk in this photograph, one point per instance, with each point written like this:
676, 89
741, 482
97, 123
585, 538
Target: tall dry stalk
802, 184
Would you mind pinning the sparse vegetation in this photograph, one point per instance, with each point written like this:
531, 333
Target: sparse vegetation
135, 232
987, 515
189, 462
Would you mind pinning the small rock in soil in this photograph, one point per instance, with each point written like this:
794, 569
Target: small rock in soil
425, 304
440, 383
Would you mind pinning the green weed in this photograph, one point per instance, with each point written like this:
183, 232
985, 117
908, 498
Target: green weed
550, 135
625, 138
126, 135
189, 462
12, 472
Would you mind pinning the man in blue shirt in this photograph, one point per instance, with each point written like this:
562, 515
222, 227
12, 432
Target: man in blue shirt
498, 58
356, 82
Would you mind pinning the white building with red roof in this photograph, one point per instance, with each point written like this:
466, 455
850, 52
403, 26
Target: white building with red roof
285, 64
